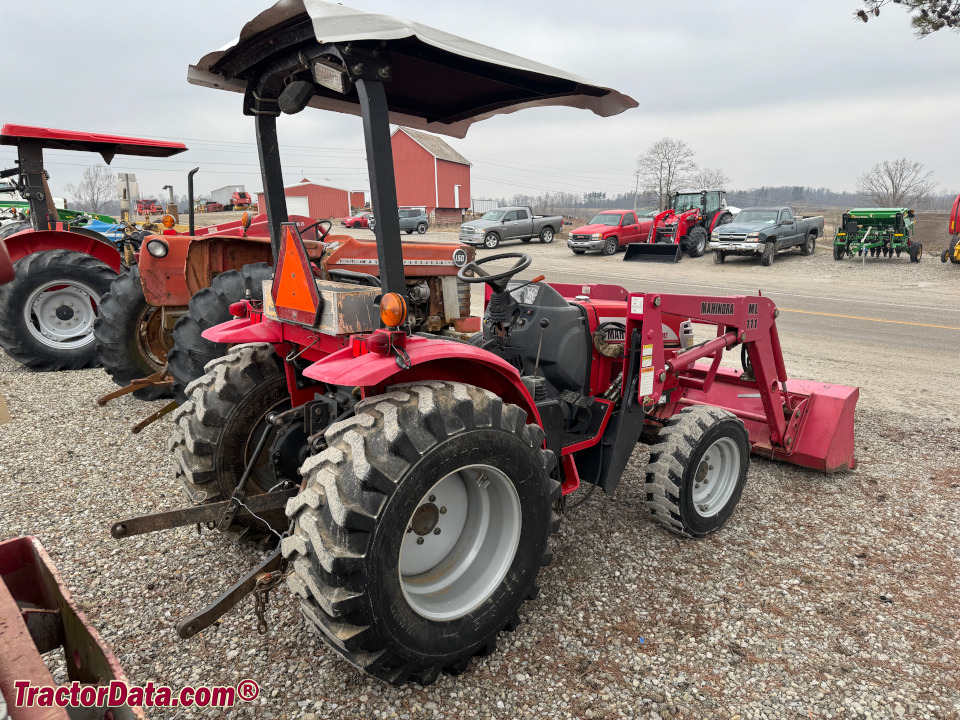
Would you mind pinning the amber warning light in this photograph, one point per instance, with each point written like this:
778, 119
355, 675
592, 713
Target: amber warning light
295, 294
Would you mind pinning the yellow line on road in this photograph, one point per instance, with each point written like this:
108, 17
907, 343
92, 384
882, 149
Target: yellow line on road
880, 320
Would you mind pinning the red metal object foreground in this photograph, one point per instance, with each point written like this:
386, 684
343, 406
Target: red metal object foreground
50, 138
37, 615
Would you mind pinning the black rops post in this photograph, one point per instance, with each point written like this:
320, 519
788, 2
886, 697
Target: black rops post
35, 188
192, 211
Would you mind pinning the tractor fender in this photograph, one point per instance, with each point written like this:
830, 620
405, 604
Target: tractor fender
245, 330
28, 242
429, 360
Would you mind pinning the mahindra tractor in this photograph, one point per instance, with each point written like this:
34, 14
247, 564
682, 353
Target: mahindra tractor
952, 253
409, 481
63, 270
685, 225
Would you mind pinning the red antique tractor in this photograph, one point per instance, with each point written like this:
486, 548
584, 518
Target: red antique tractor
413, 480
47, 313
685, 225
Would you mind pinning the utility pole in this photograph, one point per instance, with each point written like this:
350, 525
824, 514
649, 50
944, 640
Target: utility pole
636, 189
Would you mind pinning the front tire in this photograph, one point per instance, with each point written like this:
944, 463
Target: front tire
697, 470
217, 429
491, 241
838, 252
211, 306
546, 235
610, 246
48, 310
769, 251
697, 242
130, 339
389, 593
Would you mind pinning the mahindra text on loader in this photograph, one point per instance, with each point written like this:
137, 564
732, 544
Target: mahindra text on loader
413, 480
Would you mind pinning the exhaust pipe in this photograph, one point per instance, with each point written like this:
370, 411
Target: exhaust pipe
190, 196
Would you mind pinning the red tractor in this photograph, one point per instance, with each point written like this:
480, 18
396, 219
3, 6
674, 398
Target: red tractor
149, 207
411, 479
685, 225
47, 313
952, 253
241, 200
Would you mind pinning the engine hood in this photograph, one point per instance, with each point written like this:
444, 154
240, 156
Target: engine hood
743, 228
591, 229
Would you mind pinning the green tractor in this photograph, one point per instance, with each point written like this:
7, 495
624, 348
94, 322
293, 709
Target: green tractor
878, 231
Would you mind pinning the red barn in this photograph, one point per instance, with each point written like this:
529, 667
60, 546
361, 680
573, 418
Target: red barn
316, 201
430, 174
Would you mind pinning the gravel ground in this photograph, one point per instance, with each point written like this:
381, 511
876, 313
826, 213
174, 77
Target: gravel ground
823, 597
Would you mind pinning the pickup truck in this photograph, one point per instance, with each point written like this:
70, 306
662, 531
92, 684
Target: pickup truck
510, 223
609, 231
765, 231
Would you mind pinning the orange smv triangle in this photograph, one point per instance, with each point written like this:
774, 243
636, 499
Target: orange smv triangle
295, 294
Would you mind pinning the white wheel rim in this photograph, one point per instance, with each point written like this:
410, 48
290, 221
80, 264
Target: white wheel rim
60, 314
491, 241
449, 574
716, 477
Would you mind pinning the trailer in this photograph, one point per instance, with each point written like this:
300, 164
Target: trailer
228, 195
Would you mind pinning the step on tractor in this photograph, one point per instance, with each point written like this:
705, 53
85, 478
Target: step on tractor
952, 253
685, 225
877, 232
62, 270
413, 480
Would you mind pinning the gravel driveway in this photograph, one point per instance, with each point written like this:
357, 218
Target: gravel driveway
823, 597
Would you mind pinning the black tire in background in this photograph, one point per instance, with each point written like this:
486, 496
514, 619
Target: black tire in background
13, 228
769, 252
491, 240
130, 340
809, 245
217, 428
211, 306
45, 285
916, 251
698, 446
719, 257
697, 242
838, 252
366, 529
421, 228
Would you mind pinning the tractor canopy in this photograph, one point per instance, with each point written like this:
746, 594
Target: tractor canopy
436, 81
106, 145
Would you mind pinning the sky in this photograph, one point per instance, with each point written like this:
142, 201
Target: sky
769, 91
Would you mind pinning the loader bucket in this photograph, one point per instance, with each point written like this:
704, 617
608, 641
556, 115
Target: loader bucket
653, 252
821, 436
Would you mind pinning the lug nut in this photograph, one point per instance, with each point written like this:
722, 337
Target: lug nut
419, 541
443, 511
433, 498
436, 531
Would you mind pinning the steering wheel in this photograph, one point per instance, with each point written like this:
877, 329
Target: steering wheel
499, 281
318, 223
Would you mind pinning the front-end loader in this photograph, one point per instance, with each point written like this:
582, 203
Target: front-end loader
413, 480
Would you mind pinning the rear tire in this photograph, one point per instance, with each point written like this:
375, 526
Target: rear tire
217, 428
130, 339
916, 252
809, 245
610, 246
697, 470
697, 242
211, 306
546, 235
421, 228
838, 252
34, 307
769, 251
389, 594
13, 228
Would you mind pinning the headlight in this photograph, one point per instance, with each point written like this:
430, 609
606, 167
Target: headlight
596, 236
715, 236
753, 237
157, 248
478, 231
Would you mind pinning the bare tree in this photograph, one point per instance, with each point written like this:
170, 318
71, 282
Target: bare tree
666, 166
97, 188
926, 16
708, 179
896, 183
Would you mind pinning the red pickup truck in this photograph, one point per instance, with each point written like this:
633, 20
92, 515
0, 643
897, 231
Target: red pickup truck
609, 231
